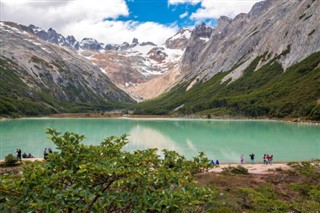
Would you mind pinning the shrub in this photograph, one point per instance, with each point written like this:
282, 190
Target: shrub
10, 160
235, 170
104, 178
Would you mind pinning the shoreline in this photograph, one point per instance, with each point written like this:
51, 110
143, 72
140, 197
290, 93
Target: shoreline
257, 168
121, 115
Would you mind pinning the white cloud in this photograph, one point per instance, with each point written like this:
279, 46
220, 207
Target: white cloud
52, 13
83, 18
216, 8
183, 1
183, 15
120, 31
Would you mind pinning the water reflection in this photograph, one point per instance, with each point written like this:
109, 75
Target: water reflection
222, 139
143, 137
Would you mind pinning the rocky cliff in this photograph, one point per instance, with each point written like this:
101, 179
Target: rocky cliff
287, 31
262, 64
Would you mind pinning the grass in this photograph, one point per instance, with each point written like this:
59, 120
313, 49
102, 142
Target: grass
282, 191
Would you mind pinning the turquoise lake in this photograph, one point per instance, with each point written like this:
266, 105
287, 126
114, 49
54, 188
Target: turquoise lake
225, 140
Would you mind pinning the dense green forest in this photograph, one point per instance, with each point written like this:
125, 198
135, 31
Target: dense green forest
267, 92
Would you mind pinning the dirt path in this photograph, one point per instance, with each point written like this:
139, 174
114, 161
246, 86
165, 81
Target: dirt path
255, 168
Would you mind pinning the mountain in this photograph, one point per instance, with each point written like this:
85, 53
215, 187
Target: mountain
38, 77
179, 40
129, 66
52, 36
133, 66
284, 29
262, 64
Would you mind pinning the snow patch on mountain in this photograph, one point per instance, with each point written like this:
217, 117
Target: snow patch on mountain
184, 33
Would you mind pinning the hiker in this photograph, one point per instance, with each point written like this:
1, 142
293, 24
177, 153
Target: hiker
50, 151
241, 159
30, 156
24, 155
252, 158
268, 159
217, 162
212, 162
265, 159
18, 153
45, 154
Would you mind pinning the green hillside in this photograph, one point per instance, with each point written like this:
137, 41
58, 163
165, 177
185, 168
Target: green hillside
17, 98
268, 92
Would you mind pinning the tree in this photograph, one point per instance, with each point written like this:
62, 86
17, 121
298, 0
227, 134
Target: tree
90, 178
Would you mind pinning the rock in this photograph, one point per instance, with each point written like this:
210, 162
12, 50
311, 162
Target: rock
60, 73
179, 40
270, 27
91, 44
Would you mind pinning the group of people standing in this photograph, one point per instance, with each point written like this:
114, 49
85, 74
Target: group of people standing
267, 159
24, 155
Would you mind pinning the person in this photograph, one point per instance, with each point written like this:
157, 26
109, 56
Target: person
45, 154
217, 162
265, 159
18, 153
268, 159
212, 162
252, 158
241, 159
24, 155
30, 156
50, 151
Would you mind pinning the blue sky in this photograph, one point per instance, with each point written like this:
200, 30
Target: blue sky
161, 12
117, 21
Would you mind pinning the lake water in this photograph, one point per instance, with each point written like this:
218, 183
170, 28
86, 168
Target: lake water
225, 140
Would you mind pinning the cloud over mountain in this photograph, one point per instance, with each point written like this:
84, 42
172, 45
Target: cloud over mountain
213, 9
83, 18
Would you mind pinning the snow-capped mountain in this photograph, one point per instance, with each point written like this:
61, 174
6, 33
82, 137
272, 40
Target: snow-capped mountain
49, 78
179, 40
91, 44
52, 36
131, 65
128, 65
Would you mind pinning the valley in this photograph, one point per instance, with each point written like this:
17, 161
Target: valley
261, 64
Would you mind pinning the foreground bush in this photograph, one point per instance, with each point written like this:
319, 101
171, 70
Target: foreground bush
11, 160
105, 178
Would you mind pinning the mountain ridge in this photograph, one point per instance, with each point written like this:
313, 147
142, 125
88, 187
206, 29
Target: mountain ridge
271, 26
49, 78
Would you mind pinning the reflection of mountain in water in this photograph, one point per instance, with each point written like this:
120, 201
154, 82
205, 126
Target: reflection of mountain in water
143, 137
